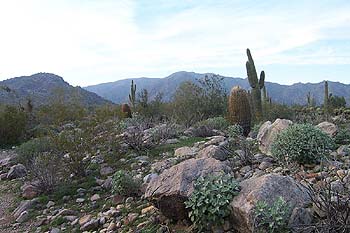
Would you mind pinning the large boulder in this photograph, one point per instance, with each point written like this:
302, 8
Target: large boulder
17, 171
172, 188
268, 133
265, 188
329, 128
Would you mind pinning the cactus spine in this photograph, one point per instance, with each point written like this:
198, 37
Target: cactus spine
239, 109
132, 95
256, 85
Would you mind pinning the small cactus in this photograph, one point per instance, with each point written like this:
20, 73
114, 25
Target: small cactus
239, 109
326, 96
132, 95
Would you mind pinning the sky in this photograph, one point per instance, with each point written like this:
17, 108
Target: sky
95, 41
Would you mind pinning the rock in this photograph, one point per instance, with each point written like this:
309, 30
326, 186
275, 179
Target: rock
212, 151
186, 152
16, 171
329, 128
343, 150
215, 140
24, 216
264, 165
130, 218
91, 225
268, 132
264, 188
172, 141
80, 200
105, 171
50, 204
149, 177
29, 191
24, 206
170, 189
107, 184
111, 227
85, 219
150, 209
95, 197
55, 230
301, 217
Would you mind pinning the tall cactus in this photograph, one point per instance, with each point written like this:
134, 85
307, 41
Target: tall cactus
326, 96
132, 95
256, 85
239, 109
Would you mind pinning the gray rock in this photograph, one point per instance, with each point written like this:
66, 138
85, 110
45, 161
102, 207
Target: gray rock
91, 225
105, 171
17, 171
24, 206
212, 151
186, 152
268, 133
329, 128
264, 188
170, 189
24, 216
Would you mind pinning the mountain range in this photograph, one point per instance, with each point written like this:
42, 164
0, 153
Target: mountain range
118, 91
44, 88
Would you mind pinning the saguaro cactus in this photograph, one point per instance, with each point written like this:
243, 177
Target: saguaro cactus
256, 85
239, 109
326, 96
132, 95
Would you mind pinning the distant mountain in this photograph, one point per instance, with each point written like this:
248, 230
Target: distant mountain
42, 88
288, 94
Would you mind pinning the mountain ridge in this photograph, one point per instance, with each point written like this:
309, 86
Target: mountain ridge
281, 93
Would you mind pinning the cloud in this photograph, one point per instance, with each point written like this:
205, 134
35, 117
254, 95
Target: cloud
102, 40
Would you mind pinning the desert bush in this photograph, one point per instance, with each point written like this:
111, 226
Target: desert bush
13, 121
45, 170
301, 143
333, 204
30, 149
75, 146
124, 184
161, 133
272, 218
218, 123
209, 202
343, 136
235, 131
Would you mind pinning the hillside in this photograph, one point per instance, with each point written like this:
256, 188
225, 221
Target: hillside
42, 88
288, 94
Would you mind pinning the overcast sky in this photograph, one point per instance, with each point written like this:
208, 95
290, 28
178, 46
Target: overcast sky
94, 41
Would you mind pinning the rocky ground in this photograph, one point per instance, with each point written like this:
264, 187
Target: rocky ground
167, 173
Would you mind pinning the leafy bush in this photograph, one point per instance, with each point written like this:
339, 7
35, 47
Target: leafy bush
209, 202
123, 184
13, 121
272, 219
162, 132
218, 123
235, 131
30, 149
301, 143
343, 137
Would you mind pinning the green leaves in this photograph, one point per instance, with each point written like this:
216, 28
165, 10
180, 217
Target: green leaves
302, 143
123, 184
272, 218
209, 203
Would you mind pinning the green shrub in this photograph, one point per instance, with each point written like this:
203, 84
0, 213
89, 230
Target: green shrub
13, 122
32, 148
301, 143
123, 184
218, 123
343, 137
209, 202
272, 218
235, 131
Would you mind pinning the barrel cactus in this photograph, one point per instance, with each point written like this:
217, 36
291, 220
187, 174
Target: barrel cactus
239, 109
126, 111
